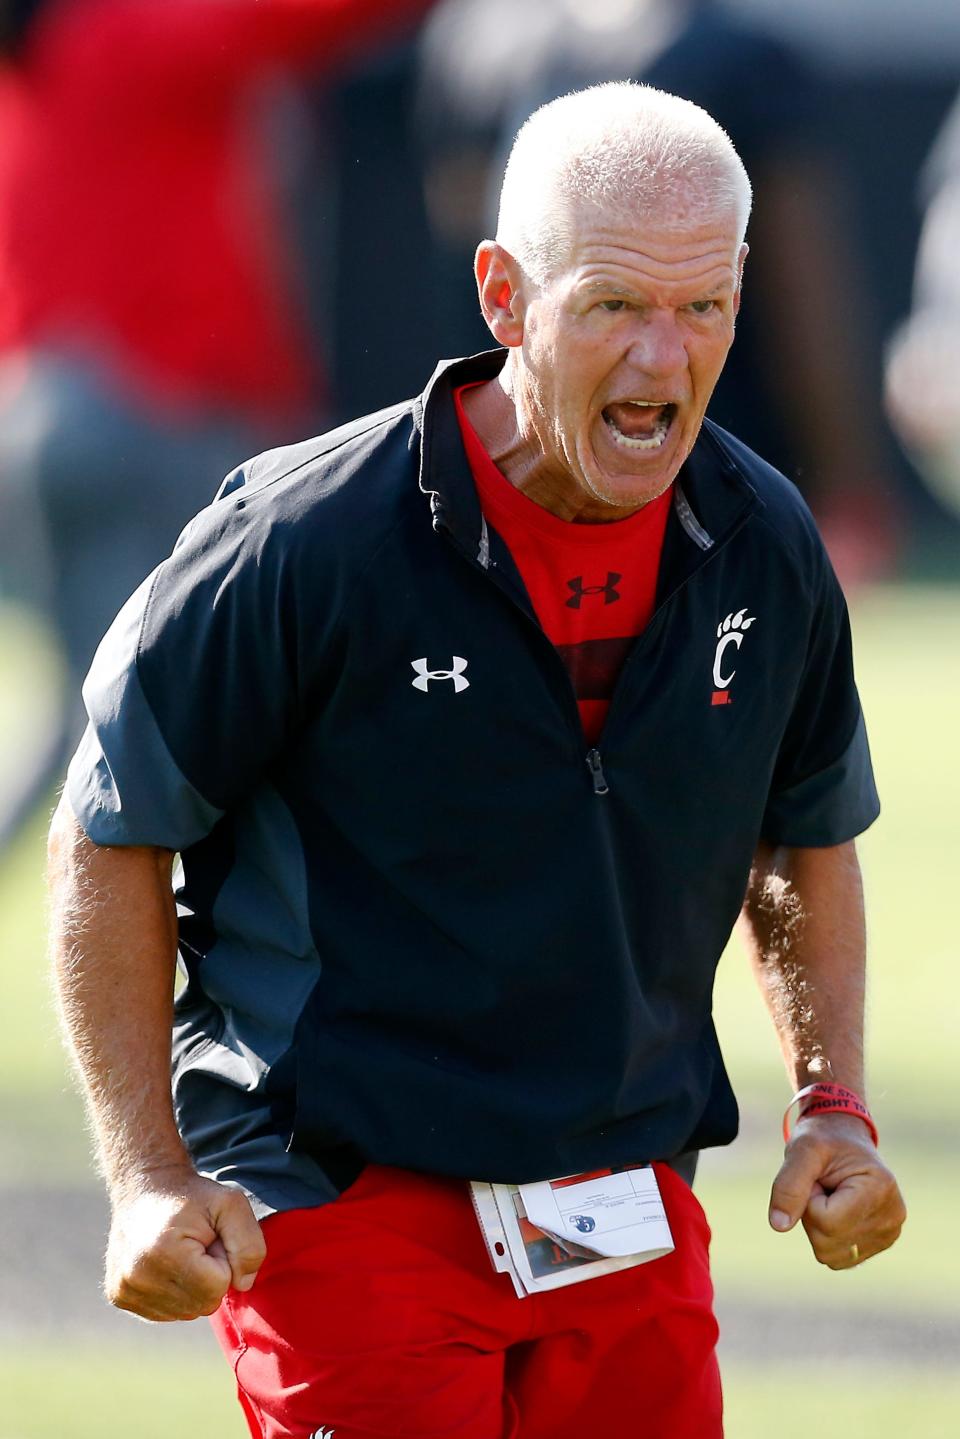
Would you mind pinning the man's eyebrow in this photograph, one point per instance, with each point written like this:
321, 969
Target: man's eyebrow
602, 287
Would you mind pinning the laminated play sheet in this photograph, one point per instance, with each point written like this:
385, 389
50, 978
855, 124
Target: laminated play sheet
611, 1214
549, 1234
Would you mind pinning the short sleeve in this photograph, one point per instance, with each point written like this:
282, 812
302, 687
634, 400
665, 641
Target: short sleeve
192, 690
823, 790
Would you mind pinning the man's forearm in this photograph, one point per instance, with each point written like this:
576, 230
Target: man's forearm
804, 919
805, 923
177, 1240
113, 949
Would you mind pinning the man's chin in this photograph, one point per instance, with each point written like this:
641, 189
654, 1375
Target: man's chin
623, 476
631, 498
629, 490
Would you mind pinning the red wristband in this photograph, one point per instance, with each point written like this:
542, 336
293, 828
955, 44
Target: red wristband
828, 1099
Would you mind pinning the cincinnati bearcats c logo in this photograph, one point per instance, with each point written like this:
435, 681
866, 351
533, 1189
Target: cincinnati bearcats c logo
425, 675
729, 632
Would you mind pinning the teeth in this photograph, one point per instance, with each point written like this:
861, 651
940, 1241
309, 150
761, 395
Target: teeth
638, 442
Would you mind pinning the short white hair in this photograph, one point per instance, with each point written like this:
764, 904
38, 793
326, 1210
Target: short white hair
614, 146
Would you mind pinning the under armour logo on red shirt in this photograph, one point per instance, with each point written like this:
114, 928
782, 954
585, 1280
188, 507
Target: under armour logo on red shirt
609, 590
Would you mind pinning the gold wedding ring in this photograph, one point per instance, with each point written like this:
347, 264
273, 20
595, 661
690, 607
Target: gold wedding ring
855, 1253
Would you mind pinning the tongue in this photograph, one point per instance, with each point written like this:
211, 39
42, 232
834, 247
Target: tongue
635, 421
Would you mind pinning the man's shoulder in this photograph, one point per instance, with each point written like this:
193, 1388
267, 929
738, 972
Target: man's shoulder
782, 510
771, 484
316, 469
310, 511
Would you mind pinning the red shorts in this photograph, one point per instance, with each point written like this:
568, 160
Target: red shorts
379, 1316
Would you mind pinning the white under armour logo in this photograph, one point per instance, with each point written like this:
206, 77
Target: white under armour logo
322, 1434
425, 675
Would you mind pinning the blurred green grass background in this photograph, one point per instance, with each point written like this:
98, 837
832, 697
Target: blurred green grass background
908, 645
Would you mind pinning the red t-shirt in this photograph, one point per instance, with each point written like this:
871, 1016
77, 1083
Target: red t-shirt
592, 586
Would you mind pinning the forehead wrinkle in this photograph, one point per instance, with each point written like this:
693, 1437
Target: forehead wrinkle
598, 255
716, 275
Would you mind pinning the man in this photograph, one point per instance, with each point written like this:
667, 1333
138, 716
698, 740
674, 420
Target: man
475, 724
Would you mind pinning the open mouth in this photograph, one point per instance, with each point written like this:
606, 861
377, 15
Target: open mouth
639, 424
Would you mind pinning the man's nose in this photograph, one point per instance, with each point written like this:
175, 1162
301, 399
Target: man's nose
657, 346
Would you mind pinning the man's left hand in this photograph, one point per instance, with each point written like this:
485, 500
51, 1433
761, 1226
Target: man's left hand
833, 1179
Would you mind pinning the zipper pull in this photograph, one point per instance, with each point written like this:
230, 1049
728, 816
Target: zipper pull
600, 785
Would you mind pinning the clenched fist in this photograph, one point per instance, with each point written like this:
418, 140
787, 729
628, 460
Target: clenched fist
177, 1244
833, 1179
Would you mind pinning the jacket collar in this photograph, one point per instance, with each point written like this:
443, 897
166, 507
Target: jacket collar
445, 476
712, 495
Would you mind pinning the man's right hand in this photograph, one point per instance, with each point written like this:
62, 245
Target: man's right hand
177, 1244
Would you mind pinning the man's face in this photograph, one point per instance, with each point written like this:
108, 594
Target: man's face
620, 353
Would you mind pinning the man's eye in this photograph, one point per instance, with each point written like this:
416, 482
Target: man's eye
703, 307
613, 305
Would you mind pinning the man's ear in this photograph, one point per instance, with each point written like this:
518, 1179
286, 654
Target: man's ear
741, 259
498, 284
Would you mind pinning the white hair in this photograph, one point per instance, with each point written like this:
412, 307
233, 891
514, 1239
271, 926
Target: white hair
615, 146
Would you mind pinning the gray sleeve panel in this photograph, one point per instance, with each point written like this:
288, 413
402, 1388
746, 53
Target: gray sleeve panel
230, 1041
264, 964
123, 784
829, 807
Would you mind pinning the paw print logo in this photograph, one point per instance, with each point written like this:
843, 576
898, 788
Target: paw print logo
729, 632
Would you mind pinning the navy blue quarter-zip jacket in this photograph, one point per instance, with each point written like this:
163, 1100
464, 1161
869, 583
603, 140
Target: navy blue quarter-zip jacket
422, 922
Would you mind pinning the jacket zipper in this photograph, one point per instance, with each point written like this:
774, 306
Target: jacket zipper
593, 758
595, 767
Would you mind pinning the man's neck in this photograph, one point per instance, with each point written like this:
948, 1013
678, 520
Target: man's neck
492, 410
